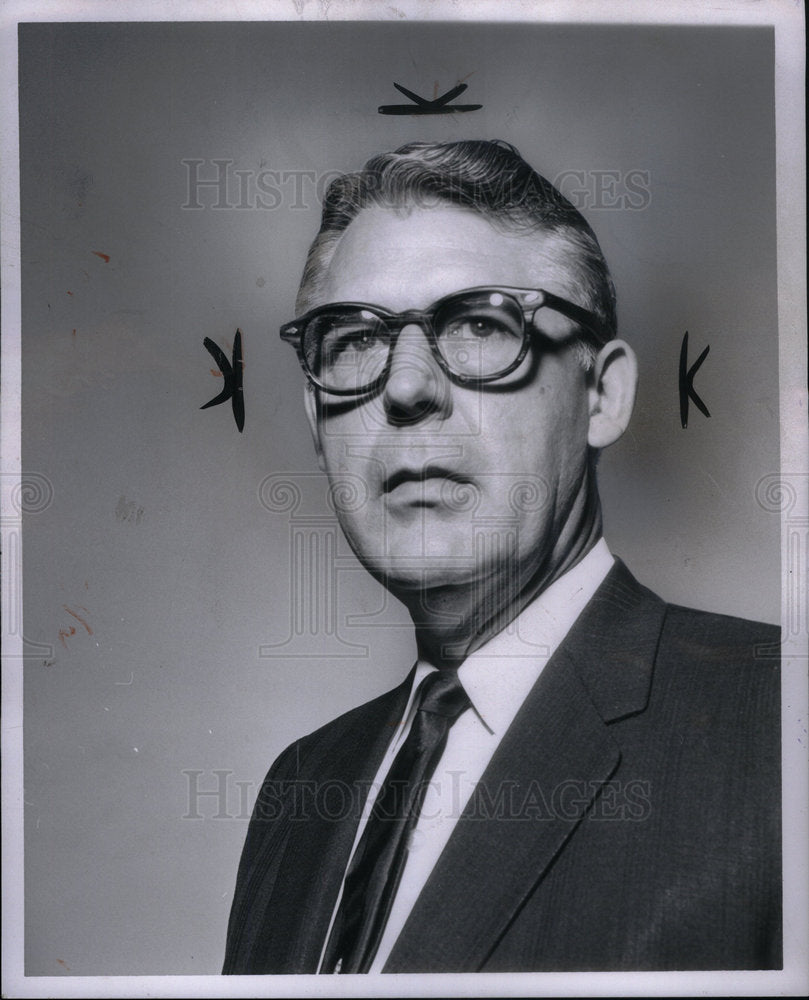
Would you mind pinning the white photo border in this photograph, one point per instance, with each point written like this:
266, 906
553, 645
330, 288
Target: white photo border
787, 20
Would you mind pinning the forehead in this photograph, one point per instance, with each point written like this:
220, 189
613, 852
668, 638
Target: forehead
408, 258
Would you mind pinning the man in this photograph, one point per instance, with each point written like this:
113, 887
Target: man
574, 775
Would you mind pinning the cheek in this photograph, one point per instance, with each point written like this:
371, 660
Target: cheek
548, 420
336, 434
333, 452
343, 426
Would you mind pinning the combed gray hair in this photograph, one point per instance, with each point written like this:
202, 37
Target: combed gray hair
489, 177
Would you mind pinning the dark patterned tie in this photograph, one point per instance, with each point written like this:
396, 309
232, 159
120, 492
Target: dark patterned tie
374, 873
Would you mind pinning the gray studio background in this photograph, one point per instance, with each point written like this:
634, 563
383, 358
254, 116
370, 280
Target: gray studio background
168, 606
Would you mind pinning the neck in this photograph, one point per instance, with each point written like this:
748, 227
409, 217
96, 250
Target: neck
453, 621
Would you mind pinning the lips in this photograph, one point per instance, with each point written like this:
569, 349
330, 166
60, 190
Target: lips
422, 475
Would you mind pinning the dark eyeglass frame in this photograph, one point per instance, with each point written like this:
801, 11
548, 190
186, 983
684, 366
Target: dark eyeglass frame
529, 300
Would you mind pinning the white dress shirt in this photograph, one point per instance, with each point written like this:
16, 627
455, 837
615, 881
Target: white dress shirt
497, 678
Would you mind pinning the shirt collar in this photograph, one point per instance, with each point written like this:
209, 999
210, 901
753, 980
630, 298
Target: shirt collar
498, 676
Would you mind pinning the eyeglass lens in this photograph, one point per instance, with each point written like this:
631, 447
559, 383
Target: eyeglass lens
477, 335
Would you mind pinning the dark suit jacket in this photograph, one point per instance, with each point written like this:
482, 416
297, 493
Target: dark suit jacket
630, 818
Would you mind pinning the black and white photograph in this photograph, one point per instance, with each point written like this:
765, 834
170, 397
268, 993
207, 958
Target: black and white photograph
405, 522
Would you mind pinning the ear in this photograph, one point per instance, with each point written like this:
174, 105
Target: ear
611, 394
311, 404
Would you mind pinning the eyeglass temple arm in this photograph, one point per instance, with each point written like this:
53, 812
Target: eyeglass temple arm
583, 317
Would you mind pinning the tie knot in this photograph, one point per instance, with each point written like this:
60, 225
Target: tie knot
441, 693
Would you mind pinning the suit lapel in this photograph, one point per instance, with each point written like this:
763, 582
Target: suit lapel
318, 848
551, 764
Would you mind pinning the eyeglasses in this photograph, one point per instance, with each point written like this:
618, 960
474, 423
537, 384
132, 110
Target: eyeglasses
477, 335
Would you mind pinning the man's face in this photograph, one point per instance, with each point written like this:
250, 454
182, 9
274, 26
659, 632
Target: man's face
460, 484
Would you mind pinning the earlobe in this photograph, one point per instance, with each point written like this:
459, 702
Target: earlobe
612, 393
311, 405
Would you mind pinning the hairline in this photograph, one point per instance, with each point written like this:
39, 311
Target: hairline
327, 243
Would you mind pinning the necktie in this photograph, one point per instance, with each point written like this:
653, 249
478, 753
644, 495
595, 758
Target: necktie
374, 872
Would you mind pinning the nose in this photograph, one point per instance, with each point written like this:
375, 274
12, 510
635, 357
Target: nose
416, 385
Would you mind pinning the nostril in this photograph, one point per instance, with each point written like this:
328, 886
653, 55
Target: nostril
400, 414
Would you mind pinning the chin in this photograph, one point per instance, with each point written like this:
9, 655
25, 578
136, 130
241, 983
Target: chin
399, 580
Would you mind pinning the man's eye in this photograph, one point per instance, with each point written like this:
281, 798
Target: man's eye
477, 328
359, 340
354, 340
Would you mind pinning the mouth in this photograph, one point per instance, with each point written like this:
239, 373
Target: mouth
429, 474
